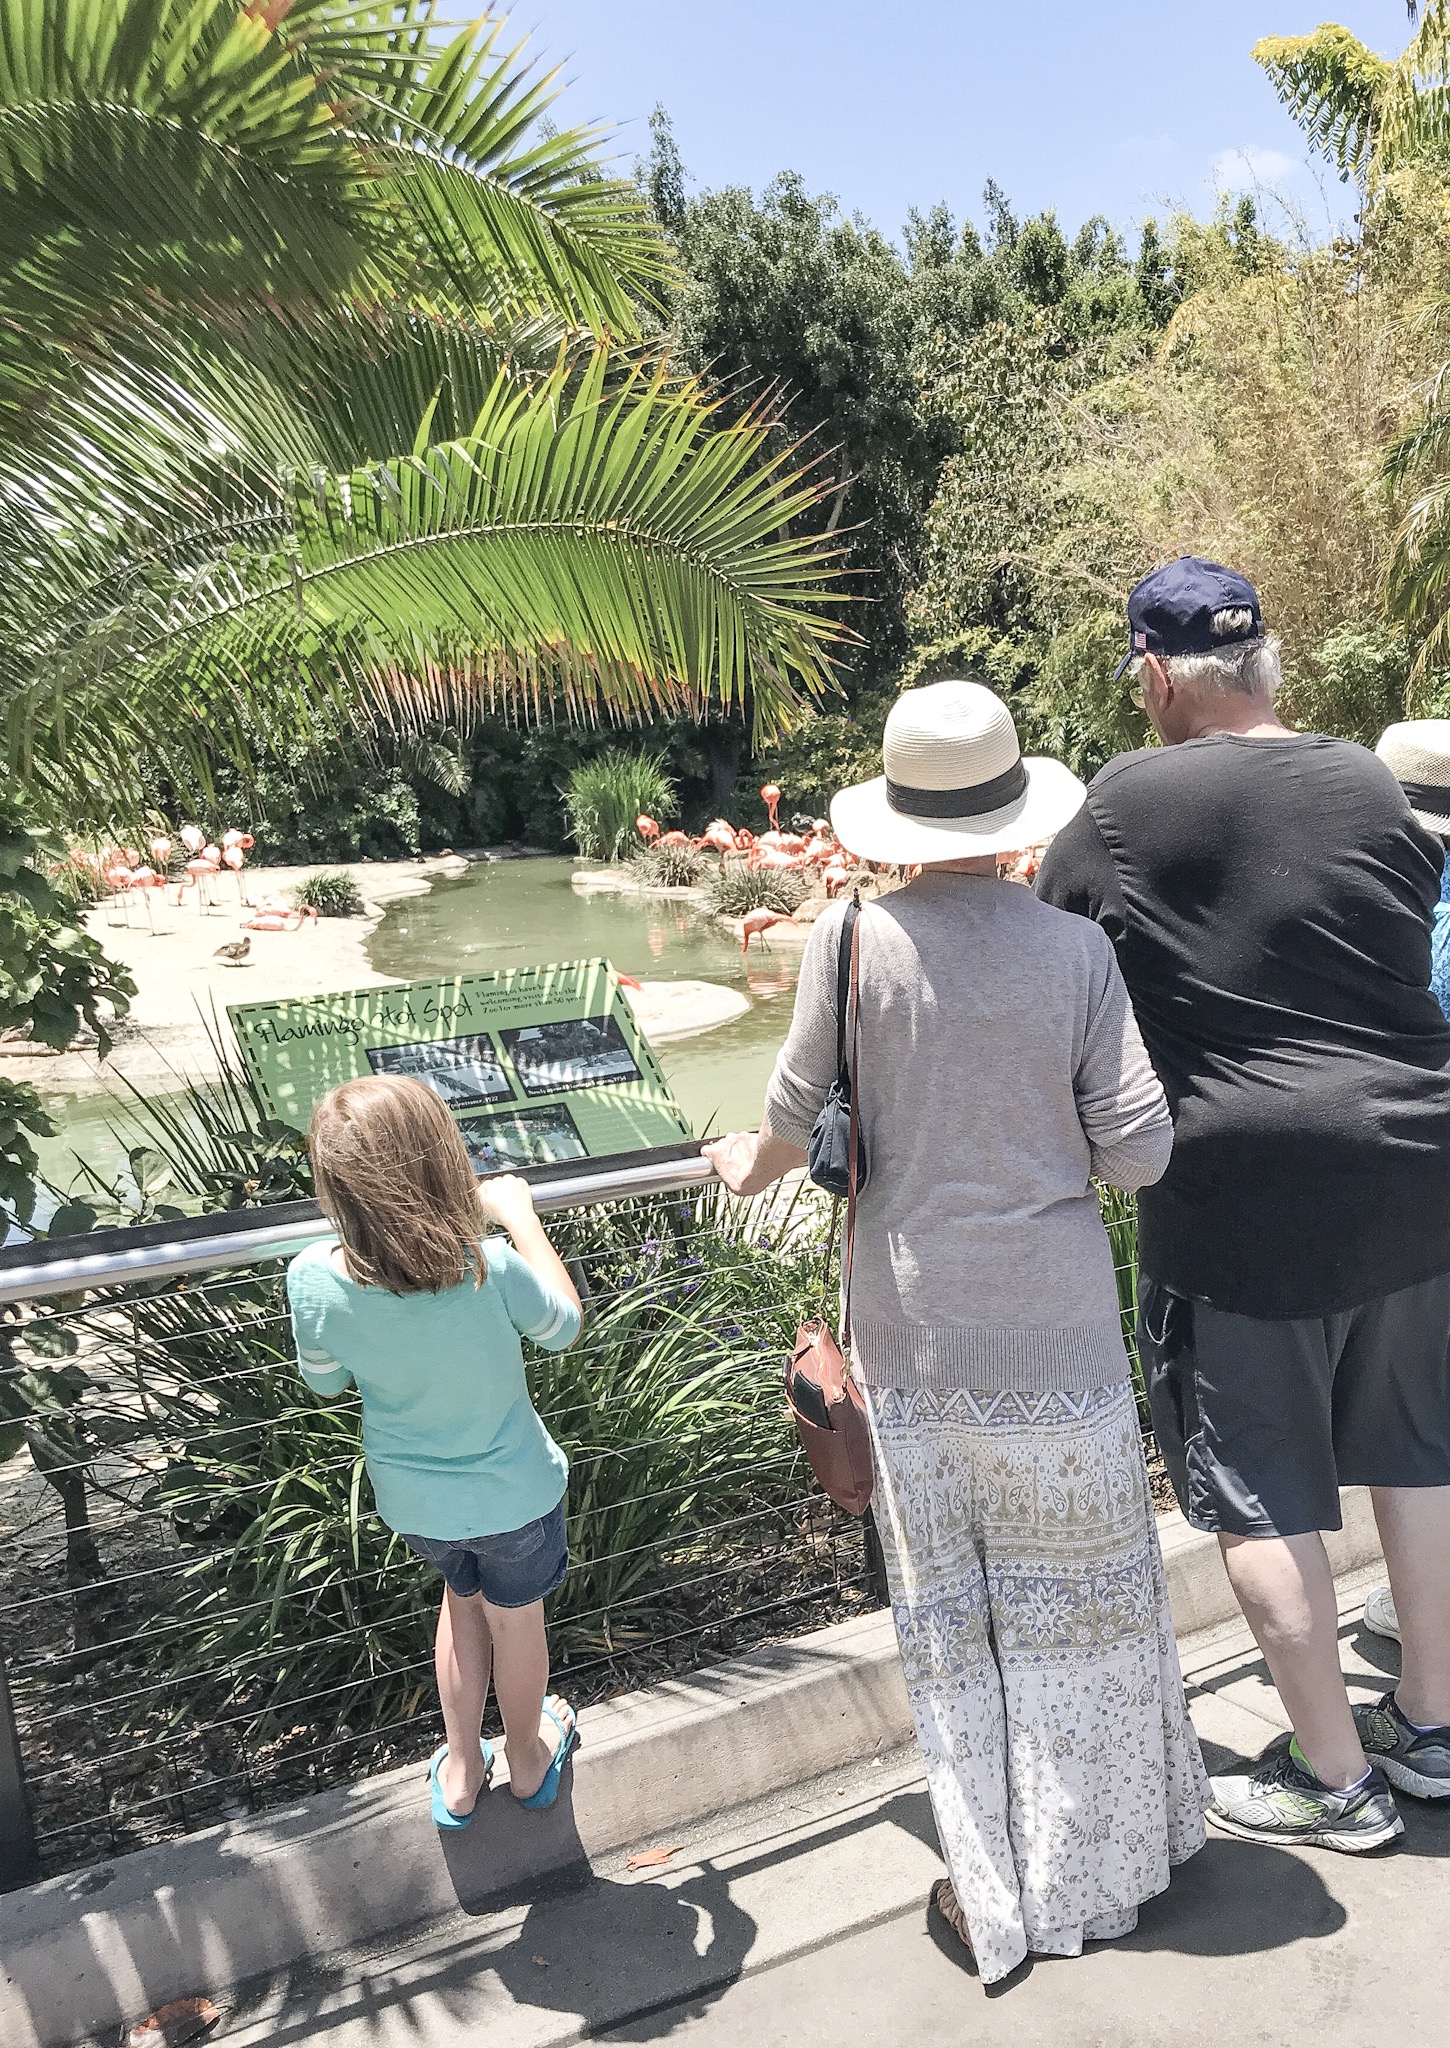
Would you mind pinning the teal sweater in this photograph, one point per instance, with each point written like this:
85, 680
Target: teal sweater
454, 1447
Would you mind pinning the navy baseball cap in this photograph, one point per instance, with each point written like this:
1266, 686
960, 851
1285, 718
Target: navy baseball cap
1172, 611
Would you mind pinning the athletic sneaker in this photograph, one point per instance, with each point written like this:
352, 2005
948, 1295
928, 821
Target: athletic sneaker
1379, 1614
1283, 1801
1414, 1759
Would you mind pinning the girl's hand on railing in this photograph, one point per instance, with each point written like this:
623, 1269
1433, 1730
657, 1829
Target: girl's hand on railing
507, 1200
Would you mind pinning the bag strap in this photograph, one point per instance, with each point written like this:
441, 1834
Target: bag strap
844, 954
847, 955
853, 1153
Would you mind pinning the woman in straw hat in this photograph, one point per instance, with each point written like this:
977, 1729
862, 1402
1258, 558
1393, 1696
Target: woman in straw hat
999, 1069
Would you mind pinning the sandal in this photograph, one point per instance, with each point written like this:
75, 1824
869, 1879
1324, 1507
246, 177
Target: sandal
944, 1908
548, 1792
443, 1814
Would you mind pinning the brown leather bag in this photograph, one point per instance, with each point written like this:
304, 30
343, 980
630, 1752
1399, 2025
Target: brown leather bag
829, 1412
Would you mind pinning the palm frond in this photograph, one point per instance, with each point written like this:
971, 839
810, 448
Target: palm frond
606, 546
170, 154
1333, 87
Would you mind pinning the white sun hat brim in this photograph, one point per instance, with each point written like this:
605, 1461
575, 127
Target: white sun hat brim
866, 824
1417, 753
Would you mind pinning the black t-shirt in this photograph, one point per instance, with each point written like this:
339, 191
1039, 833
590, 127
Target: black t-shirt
1270, 904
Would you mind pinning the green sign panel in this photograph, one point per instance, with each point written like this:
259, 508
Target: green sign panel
536, 1063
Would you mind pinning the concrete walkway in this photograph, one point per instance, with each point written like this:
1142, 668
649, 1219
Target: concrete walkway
801, 1920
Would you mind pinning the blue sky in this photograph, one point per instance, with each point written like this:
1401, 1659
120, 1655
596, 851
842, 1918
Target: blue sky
1121, 107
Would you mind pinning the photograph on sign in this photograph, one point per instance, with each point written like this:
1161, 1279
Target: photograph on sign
463, 1071
581, 1052
510, 1138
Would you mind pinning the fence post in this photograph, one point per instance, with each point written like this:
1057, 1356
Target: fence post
875, 1558
19, 1856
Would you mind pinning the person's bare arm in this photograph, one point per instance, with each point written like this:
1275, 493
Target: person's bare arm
507, 1200
749, 1161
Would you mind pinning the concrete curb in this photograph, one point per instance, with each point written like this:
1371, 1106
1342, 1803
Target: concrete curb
89, 1951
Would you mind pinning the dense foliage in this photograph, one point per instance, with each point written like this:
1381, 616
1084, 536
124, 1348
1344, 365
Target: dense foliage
55, 983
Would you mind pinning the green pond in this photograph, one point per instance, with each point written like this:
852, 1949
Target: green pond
523, 913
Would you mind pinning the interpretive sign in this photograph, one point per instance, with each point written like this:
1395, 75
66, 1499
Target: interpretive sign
536, 1063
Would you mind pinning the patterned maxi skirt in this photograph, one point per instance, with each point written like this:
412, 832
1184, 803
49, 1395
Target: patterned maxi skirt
1032, 1613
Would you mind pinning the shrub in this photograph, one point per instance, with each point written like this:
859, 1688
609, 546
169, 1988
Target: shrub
670, 867
603, 797
330, 895
736, 889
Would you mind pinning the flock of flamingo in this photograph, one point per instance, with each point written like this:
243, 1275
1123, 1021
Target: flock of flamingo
125, 874
817, 850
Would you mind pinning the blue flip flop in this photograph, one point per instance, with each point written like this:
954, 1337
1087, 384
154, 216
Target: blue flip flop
443, 1817
548, 1792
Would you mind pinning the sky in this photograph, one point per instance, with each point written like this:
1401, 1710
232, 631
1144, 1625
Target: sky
1118, 107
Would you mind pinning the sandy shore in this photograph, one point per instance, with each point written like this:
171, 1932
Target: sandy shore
179, 980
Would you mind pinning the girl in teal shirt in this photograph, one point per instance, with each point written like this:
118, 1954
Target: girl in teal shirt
414, 1307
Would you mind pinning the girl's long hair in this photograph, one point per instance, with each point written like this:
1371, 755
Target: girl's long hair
394, 1180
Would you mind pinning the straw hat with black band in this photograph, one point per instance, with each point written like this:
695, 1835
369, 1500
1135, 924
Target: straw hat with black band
956, 784
1417, 754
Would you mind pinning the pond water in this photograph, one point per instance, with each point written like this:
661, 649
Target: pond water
524, 913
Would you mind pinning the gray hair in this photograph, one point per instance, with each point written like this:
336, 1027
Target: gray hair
1249, 666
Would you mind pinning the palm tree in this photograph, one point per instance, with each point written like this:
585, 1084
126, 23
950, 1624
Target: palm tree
324, 399
1369, 115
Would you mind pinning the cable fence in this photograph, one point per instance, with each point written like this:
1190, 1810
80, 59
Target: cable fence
201, 1615
200, 1612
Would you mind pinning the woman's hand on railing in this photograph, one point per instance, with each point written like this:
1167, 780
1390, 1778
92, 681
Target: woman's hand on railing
748, 1161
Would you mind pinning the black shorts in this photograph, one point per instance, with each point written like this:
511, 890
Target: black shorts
1261, 1422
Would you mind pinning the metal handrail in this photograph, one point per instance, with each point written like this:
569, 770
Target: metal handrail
240, 1237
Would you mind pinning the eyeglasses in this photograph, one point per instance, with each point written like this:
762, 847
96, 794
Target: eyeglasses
1135, 694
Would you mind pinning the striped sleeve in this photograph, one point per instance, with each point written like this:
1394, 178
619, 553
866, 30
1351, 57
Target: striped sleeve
535, 1309
315, 1361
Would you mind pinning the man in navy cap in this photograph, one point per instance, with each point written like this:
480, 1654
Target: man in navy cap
1269, 894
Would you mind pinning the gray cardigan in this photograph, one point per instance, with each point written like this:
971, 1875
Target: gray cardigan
1000, 1067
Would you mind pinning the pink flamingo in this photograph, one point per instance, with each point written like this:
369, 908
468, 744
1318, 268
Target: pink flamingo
756, 923
193, 838
199, 870
770, 797
119, 877
279, 917
235, 859
646, 827
146, 879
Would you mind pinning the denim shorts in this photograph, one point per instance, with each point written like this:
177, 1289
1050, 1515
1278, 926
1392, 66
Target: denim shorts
511, 1570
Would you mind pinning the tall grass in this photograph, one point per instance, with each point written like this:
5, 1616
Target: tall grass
1120, 1216
669, 867
330, 895
735, 889
603, 797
